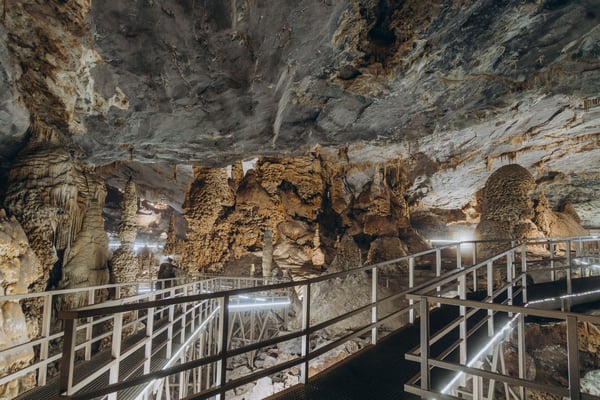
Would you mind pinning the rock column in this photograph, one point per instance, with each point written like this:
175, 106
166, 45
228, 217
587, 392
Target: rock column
125, 263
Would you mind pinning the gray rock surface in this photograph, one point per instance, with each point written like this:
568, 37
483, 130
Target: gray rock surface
472, 85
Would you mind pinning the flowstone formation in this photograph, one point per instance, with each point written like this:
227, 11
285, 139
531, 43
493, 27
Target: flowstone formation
125, 263
229, 209
58, 200
19, 267
508, 210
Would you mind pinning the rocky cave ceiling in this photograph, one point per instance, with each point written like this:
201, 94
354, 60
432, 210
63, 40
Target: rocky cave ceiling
148, 88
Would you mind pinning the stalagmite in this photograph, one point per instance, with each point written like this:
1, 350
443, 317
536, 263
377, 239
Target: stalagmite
125, 263
318, 258
267, 260
171, 237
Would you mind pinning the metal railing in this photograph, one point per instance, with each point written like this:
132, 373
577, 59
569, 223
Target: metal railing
380, 309
47, 344
463, 370
385, 307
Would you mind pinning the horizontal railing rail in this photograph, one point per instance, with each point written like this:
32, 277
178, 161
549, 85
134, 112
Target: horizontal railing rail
503, 308
374, 318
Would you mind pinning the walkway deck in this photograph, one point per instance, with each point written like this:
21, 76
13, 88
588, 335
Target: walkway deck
378, 372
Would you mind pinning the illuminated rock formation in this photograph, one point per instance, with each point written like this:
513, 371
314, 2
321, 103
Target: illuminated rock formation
58, 201
19, 268
125, 265
509, 212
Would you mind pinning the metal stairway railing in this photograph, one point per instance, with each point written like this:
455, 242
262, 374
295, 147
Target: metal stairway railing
372, 314
375, 319
505, 280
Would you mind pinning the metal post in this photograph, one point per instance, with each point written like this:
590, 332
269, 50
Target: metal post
462, 293
305, 328
169, 349
524, 272
149, 333
458, 257
424, 315
46, 318
552, 266
569, 283
411, 284
438, 267
521, 351
113, 376
223, 345
374, 307
490, 293
573, 358
89, 328
67, 362
509, 278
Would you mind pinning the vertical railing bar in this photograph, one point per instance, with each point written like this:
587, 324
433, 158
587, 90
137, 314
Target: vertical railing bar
509, 278
521, 351
573, 358
306, 329
44, 346
490, 293
569, 283
524, 272
552, 263
424, 332
89, 327
374, 307
411, 284
67, 363
113, 375
223, 346
462, 294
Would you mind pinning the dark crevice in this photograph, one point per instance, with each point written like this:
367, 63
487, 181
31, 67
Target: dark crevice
55, 274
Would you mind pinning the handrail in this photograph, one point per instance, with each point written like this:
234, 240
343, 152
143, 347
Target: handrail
224, 297
511, 267
138, 303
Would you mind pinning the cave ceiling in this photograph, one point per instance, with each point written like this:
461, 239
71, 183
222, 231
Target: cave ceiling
148, 88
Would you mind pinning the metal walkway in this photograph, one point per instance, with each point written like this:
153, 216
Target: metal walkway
196, 333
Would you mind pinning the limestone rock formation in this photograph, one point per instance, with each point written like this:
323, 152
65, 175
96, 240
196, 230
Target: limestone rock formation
19, 267
58, 200
509, 212
125, 266
307, 202
471, 84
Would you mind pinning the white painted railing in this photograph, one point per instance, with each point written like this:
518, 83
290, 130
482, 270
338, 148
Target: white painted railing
383, 308
504, 307
375, 316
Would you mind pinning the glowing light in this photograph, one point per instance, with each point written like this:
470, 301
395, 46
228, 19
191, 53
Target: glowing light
564, 296
175, 356
259, 305
481, 352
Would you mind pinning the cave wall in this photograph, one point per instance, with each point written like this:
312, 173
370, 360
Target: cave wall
58, 201
229, 209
